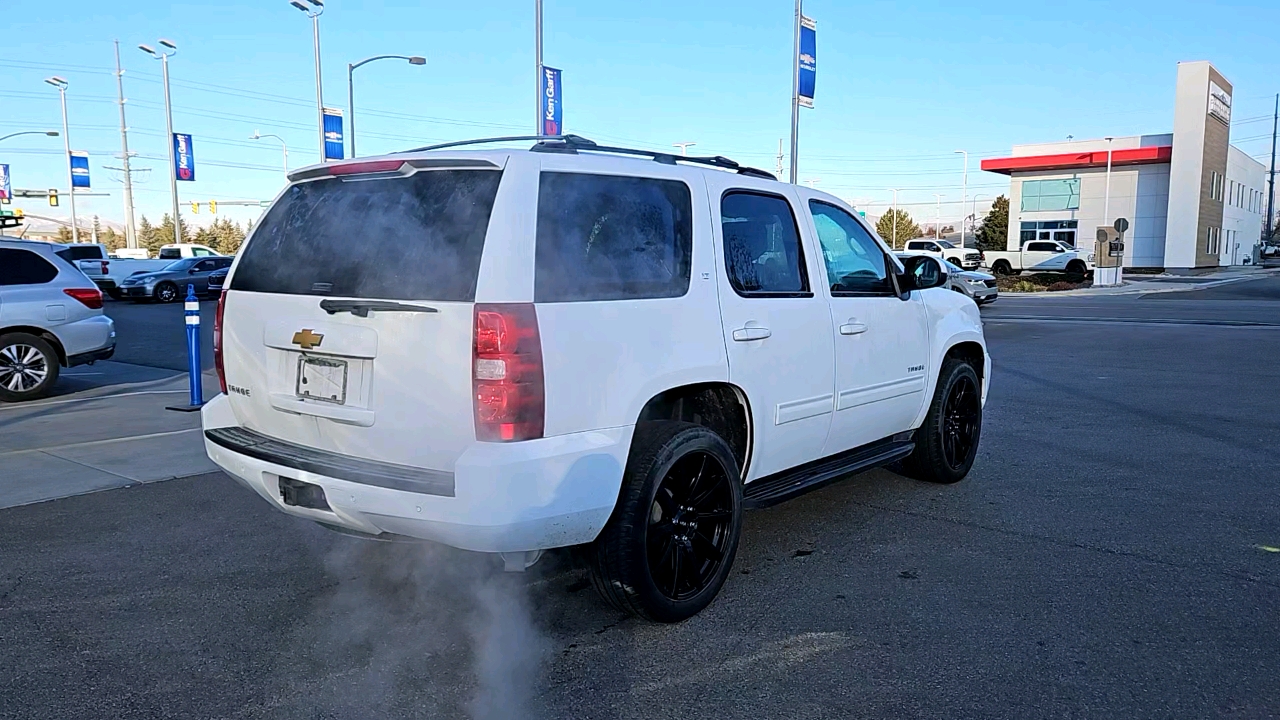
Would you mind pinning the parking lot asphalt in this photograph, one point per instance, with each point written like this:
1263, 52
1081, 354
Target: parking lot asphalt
155, 335
1114, 553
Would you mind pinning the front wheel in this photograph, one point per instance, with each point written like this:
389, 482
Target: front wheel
947, 442
669, 545
1075, 267
28, 367
166, 292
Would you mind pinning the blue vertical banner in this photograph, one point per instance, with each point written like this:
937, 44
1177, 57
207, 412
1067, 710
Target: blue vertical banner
552, 110
6, 192
333, 141
808, 60
184, 158
79, 169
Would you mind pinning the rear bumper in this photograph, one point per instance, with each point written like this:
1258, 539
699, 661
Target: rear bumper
506, 497
93, 356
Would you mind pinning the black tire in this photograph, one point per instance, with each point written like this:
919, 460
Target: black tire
28, 367
947, 441
167, 292
646, 536
115, 293
1002, 267
1077, 267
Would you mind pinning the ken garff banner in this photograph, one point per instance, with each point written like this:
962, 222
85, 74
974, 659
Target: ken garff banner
6, 192
808, 60
184, 158
79, 169
333, 141
552, 112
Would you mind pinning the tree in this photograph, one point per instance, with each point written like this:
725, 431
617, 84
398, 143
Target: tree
64, 234
906, 228
153, 237
112, 239
993, 234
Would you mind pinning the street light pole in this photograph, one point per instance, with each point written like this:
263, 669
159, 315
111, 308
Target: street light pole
315, 14
894, 212
795, 94
61, 84
1106, 198
964, 193
537, 95
351, 92
684, 147
975, 216
50, 133
258, 136
168, 123
937, 219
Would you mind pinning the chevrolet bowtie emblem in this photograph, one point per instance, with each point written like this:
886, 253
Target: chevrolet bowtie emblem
306, 339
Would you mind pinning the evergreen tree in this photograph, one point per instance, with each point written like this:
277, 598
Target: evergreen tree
906, 228
993, 233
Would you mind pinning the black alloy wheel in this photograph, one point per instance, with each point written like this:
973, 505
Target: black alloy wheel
961, 419
690, 523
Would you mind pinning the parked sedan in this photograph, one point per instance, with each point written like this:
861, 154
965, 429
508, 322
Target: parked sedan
50, 318
978, 285
170, 284
217, 279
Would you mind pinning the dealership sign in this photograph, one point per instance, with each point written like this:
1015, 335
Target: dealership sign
552, 110
79, 169
333, 142
184, 160
1219, 103
808, 60
6, 192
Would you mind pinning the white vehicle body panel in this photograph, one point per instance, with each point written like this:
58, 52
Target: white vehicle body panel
1040, 260
78, 328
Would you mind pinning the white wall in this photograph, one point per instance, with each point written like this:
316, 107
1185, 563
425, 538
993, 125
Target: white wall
1185, 169
1238, 216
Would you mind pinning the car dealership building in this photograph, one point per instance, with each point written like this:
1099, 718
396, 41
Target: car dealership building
1192, 199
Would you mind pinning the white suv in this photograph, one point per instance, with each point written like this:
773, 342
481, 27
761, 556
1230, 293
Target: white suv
514, 350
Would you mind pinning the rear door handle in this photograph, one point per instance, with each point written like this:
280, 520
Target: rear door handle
853, 327
747, 334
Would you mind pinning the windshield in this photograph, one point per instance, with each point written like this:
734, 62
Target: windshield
946, 244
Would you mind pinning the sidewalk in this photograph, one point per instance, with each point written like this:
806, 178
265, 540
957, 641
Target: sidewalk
106, 428
1163, 283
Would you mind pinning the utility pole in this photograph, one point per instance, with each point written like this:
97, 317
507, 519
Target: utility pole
795, 94
964, 193
130, 233
1271, 191
779, 157
937, 219
537, 59
894, 240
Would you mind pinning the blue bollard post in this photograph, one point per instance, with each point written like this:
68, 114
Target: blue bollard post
191, 307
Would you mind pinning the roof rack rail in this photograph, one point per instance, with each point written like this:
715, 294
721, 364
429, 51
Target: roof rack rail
575, 143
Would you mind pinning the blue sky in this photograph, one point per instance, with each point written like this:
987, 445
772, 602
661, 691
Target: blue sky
900, 85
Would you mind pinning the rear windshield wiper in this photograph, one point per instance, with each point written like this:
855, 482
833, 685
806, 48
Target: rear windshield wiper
361, 308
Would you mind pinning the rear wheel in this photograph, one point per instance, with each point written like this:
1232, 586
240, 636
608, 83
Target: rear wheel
28, 367
947, 442
166, 292
669, 545
1002, 267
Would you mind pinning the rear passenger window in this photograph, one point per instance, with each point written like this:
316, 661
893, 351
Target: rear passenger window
23, 267
609, 237
762, 251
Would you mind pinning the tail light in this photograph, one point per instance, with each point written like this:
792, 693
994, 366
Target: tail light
217, 342
104, 267
506, 379
91, 299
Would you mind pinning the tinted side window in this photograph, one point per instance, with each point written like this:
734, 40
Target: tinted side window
762, 252
222, 263
200, 252
855, 263
609, 237
72, 253
1042, 247
23, 267
205, 266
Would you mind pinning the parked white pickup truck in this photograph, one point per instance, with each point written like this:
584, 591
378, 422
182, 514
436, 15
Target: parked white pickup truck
1041, 256
107, 272
943, 250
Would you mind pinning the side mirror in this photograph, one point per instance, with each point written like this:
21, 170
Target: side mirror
921, 272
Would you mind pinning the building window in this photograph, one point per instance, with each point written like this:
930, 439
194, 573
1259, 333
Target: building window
1213, 240
1051, 195
1064, 231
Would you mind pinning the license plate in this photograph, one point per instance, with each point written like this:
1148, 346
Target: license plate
322, 379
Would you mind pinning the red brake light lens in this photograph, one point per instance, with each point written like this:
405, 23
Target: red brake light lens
217, 342
360, 168
91, 299
507, 377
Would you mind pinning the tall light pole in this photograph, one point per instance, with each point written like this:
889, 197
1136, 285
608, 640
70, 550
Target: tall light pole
684, 147
163, 56
1106, 198
964, 193
537, 60
314, 13
795, 95
975, 215
937, 219
61, 84
258, 136
894, 223
130, 232
50, 133
351, 92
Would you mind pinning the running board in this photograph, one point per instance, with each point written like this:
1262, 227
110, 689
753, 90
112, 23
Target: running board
785, 485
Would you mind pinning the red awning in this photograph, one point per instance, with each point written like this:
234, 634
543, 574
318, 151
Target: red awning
1073, 161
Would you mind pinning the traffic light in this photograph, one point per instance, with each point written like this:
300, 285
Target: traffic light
195, 208
53, 197
213, 207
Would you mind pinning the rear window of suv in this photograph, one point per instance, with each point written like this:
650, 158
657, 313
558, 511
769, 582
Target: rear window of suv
610, 237
403, 238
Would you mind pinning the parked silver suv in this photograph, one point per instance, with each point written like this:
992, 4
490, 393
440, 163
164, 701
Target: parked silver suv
50, 317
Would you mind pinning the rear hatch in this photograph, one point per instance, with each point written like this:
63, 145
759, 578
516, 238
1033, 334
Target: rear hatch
348, 318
